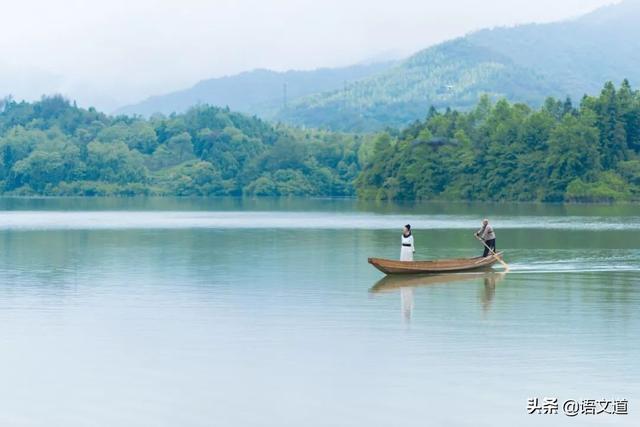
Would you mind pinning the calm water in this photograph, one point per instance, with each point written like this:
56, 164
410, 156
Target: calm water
265, 313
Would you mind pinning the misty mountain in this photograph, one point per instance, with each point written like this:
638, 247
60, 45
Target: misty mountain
578, 55
453, 74
28, 83
261, 92
525, 63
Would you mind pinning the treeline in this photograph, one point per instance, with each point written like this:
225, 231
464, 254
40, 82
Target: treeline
560, 152
52, 147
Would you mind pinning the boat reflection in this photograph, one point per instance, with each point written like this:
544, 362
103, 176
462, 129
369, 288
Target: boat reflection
405, 284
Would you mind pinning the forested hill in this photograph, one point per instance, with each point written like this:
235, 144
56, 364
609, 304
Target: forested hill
577, 55
261, 92
453, 74
54, 148
560, 152
525, 63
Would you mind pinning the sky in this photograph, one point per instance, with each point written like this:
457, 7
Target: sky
115, 52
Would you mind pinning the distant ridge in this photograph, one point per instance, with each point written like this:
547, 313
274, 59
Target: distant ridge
452, 74
525, 63
260, 91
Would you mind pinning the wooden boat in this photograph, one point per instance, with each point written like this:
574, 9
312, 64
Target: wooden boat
395, 282
389, 266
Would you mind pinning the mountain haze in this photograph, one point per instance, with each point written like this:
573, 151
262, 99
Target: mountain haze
260, 92
452, 74
525, 63
578, 55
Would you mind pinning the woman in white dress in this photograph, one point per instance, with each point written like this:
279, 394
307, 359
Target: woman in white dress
407, 249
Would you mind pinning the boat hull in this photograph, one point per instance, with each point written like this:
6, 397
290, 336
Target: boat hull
388, 266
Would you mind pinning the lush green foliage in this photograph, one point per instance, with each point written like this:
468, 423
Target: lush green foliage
512, 152
501, 151
54, 148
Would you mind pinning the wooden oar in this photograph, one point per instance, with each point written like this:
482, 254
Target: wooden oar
504, 264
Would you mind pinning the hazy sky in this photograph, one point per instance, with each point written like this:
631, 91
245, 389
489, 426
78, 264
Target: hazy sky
111, 52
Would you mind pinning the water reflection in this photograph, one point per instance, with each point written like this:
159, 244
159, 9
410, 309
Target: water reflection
245, 327
406, 285
489, 291
406, 302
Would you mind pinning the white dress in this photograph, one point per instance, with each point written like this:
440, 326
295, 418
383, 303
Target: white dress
406, 252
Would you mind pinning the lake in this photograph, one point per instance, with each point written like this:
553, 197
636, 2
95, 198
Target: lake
229, 312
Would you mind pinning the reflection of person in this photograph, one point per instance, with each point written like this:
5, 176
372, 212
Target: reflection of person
406, 300
489, 291
487, 234
407, 249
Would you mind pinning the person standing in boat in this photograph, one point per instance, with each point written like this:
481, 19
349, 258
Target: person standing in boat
407, 249
488, 236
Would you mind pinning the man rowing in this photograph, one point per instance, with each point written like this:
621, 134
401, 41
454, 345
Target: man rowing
488, 236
